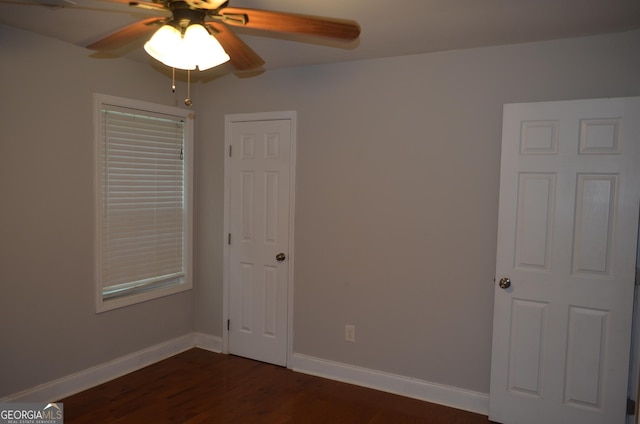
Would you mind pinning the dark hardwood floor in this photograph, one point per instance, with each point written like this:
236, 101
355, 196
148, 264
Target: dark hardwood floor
199, 386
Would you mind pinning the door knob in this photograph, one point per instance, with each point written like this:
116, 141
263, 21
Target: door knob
281, 257
504, 283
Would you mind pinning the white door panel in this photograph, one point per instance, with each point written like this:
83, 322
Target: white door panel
567, 238
259, 216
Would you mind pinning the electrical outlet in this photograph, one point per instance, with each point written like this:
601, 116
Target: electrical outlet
350, 333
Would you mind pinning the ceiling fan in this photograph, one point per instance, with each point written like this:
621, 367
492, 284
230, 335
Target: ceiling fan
217, 17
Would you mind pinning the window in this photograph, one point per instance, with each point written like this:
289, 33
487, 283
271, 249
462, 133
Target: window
143, 186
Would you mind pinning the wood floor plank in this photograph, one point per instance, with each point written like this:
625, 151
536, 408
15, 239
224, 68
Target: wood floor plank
199, 386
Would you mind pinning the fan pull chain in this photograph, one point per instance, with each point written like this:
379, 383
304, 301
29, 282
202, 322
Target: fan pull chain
188, 101
173, 80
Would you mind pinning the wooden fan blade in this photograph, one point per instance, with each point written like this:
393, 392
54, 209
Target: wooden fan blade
126, 34
242, 57
342, 29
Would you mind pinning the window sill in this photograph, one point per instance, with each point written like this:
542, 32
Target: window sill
120, 302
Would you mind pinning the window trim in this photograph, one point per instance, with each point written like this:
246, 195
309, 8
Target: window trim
139, 295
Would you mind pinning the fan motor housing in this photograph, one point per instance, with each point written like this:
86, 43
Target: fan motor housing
184, 15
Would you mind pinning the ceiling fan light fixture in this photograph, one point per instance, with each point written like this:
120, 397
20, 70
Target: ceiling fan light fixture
165, 46
203, 47
196, 48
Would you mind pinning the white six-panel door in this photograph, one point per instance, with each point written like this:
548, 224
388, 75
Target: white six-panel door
258, 177
567, 238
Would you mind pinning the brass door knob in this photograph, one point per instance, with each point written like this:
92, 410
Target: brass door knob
504, 283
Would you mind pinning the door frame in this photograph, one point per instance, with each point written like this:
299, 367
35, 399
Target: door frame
229, 120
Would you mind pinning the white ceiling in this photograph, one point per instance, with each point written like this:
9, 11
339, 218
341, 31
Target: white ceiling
389, 28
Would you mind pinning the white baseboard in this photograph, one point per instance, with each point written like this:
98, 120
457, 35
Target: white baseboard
83, 380
405, 386
208, 342
418, 389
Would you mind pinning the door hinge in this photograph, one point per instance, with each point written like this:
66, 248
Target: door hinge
229, 239
230, 147
631, 407
228, 324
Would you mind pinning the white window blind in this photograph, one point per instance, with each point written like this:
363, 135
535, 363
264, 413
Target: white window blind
143, 221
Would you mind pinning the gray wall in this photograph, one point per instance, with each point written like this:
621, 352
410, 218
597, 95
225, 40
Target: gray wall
397, 193
48, 325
